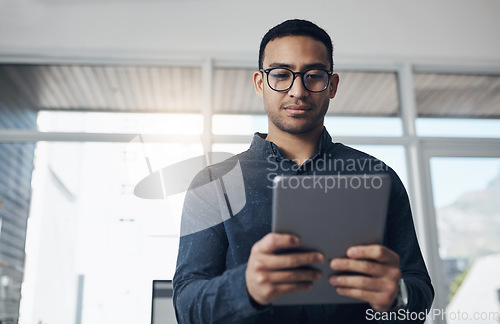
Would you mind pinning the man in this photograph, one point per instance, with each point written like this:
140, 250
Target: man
228, 272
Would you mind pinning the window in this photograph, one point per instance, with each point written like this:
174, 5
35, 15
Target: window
99, 122
467, 211
458, 105
86, 223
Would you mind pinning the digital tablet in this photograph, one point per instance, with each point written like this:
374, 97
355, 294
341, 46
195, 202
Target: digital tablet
329, 214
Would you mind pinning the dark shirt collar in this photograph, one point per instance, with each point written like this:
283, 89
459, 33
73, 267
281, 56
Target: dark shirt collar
265, 148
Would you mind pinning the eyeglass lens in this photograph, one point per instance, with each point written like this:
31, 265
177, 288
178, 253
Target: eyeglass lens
282, 79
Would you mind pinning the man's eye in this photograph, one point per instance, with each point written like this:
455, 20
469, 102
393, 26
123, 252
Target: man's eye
281, 76
315, 76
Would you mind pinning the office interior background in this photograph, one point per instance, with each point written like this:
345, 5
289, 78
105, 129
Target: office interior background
80, 80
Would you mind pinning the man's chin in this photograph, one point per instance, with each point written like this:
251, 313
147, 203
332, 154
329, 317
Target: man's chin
297, 129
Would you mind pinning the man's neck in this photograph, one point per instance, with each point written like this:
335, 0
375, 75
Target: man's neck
296, 147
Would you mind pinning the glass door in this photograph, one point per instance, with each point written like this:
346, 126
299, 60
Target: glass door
466, 192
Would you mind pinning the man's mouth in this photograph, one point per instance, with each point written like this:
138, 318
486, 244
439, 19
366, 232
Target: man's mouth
297, 109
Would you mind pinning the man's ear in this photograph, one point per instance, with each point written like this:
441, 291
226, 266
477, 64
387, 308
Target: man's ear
258, 83
334, 83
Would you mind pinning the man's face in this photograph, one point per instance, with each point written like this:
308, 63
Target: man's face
295, 111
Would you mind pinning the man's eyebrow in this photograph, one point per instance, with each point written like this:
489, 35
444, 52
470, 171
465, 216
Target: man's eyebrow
281, 65
306, 67
316, 66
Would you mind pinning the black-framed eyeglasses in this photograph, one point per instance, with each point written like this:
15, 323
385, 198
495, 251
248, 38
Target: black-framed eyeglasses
281, 79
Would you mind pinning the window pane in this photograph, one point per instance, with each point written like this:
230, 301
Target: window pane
230, 147
466, 194
458, 127
239, 124
86, 221
363, 126
90, 122
234, 92
366, 94
392, 155
16, 166
456, 95
114, 88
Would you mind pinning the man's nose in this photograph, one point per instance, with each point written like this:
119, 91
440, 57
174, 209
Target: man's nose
298, 89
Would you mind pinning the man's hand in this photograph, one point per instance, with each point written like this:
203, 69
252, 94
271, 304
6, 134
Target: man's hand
269, 275
378, 282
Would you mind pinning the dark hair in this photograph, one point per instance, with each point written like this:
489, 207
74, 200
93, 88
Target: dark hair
296, 27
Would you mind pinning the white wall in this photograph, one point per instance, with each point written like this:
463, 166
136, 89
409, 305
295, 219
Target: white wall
460, 30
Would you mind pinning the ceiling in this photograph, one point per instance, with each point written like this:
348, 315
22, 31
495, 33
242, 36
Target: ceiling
164, 89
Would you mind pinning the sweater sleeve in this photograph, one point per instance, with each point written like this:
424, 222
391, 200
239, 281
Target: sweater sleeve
402, 239
204, 290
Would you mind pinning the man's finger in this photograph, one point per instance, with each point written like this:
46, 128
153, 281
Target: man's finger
374, 252
361, 282
277, 290
290, 261
274, 241
292, 276
369, 268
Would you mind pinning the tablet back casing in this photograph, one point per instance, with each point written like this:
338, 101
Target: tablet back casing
329, 218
